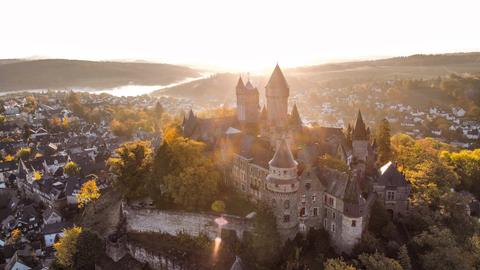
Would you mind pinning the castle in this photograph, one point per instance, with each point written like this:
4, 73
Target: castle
273, 158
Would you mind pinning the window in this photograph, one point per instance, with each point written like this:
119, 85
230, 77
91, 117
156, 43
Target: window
325, 199
314, 197
390, 195
354, 223
330, 201
292, 185
333, 215
286, 204
333, 227
286, 218
315, 211
325, 223
303, 212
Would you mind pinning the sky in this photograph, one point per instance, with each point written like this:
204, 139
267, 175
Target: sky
236, 35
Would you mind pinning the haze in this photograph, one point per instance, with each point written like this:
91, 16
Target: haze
236, 35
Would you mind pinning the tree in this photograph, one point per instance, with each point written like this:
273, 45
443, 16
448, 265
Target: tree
89, 193
404, 258
66, 247
14, 236
337, 264
193, 179
218, 206
132, 168
264, 245
24, 153
89, 249
378, 261
383, 142
71, 168
438, 249
37, 175
2, 118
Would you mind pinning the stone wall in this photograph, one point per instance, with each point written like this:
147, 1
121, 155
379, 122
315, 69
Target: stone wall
138, 219
154, 261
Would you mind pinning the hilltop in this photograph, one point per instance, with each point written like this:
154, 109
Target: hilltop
60, 73
219, 88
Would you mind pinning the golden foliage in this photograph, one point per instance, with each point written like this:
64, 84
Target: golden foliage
89, 192
37, 175
67, 247
14, 236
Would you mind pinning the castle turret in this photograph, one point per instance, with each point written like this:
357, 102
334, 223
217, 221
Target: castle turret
360, 140
354, 213
277, 92
247, 102
283, 184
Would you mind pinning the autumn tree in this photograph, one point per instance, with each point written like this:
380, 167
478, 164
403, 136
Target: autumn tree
71, 168
218, 206
24, 153
131, 165
337, 264
383, 142
15, 235
89, 193
66, 247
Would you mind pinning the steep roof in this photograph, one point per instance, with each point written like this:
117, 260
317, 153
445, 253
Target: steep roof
249, 86
283, 157
295, 119
391, 177
277, 85
237, 265
360, 132
240, 85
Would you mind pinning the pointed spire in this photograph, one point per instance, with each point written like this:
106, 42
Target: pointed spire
22, 169
295, 119
249, 85
283, 157
359, 133
240, 85
191, 115
277, 85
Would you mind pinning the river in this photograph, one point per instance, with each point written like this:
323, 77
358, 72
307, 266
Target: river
125, 90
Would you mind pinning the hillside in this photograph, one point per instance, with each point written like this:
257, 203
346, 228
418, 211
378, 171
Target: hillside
60, 73
220, 88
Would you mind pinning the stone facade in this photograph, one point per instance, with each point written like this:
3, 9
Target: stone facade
279, 167
173, 222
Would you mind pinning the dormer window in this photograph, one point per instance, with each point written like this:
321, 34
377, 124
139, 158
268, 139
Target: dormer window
390, 195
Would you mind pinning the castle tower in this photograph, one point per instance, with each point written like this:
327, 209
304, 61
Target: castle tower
283, 184
277, 92
360, 140
247, 102
354, 212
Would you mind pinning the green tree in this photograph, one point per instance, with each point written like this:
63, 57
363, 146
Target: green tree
404, 258
89, 250
383, 142
132, 168
264, 245
438, 250
193, 179
378, 261
71, 168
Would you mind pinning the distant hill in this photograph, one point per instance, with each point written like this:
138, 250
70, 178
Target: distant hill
220, 88
60, 73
